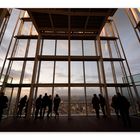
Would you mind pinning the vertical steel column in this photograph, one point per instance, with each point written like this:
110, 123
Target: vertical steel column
84, 79
38, 75
54, 69
112, 63
29, 110
98, 68
103, 77
9, 103
69, 70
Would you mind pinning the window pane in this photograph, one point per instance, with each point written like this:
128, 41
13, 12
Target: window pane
15, 72
61, 73
104, 47
77, 72
46, 72
62, 47
48, 47
91, 72
63, 94
32, 48
22, 45
108, 72
76, 47
89, 48
78, 101
28, 72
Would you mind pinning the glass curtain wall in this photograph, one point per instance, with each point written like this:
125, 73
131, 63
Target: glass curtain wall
40, 66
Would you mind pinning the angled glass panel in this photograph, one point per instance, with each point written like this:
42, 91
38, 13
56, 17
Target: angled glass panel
21, 48
26, 28
15, 72
118, 71
108, 72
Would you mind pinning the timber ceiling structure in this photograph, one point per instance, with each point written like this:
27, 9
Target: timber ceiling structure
82, 23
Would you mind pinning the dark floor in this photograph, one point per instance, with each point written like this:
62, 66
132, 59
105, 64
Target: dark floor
75, 124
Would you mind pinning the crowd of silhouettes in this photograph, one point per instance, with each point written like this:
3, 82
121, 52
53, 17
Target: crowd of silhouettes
42, 103
3, 103
99, 102
120, 104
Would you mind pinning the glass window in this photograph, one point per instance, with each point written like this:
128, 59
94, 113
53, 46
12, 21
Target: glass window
118, 71
28, 72
78, 101
90, 91
62, 47
104, 47
15, 72
48, 47
46, 72
32, 48
76, 47
91, 72
77, 72
108, 72
22, 45
89, 48
26, 28
61, 72
63, 94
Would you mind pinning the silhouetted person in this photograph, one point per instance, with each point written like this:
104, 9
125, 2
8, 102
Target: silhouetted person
26, 108
21, 105
49, 106
123, 106
96, 104
44, 104
102, 104
38, 104
3, 103
56, 102
114, 104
